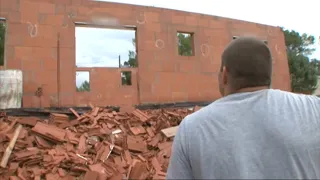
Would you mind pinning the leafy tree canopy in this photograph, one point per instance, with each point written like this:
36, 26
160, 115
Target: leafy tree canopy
185, 44
85, 86
303, 71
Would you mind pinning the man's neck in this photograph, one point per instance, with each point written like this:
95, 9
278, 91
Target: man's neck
249, 89
252, 89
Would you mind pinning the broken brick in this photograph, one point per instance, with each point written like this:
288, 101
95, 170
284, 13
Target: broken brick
128, 157
159, 175
138, 130
91, 175
156, 164
196, 108
136, 144
150, 132
42, 142
164, 145
49, 132
82, 144
142, 116
31, 121
139, 171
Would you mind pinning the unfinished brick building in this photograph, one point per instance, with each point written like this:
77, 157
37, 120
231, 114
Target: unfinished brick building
40, 41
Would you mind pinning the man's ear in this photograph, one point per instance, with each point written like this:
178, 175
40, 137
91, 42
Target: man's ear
224, 75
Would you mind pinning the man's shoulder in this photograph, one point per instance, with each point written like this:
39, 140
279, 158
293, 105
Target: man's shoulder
223, 107
295, 96
199, 116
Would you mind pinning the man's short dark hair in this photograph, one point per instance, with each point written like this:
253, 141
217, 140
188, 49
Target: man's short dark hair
248, 62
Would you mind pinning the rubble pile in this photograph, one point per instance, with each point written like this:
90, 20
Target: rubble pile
100, 144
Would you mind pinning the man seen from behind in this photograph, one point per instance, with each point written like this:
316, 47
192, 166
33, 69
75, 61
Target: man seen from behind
253, 131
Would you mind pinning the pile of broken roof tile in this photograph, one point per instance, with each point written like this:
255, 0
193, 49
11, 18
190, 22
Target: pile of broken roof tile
100, 144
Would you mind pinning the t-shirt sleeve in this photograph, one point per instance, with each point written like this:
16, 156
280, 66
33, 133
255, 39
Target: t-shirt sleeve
179, 166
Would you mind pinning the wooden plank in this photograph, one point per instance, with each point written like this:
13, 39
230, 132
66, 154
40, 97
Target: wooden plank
170, 132
10, 147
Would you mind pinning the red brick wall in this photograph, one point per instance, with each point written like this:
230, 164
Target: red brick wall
162, 75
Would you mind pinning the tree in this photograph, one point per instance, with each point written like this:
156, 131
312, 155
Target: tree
2, 41
132, 63
85, 86
299, 44
184, 44
303, 71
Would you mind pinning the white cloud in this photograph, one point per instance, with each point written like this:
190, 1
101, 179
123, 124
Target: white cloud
99, 47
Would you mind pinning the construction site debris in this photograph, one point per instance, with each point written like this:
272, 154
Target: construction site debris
99, 144
196, 108
3, 114
170, 132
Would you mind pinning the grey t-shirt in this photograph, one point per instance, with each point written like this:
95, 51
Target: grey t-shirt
263, 134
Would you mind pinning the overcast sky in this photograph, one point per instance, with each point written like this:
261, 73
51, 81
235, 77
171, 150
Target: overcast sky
97, 47
103, 47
